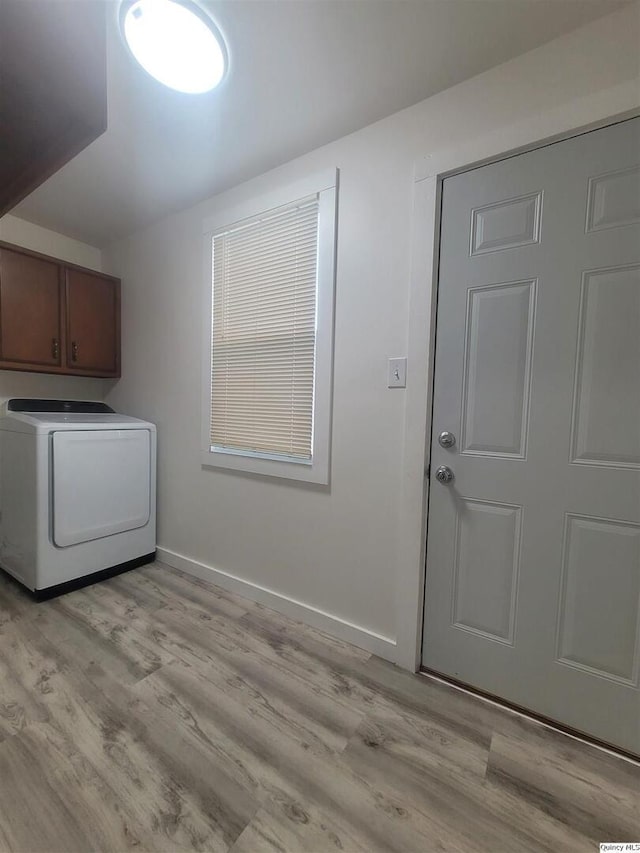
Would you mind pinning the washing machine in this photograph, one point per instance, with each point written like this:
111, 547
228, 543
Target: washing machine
77, 492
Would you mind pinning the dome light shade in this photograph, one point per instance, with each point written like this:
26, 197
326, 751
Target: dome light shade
176, 42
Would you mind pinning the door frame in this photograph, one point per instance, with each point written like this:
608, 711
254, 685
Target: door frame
589, 113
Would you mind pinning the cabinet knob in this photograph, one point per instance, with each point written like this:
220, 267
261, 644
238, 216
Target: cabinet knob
55, 349
74, 351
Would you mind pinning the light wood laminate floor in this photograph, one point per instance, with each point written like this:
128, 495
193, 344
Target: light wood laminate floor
156, 712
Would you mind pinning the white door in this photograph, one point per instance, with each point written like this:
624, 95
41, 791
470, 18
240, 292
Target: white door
101, 483
533, 553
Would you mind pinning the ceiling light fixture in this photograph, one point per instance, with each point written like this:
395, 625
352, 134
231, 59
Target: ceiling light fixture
176, 42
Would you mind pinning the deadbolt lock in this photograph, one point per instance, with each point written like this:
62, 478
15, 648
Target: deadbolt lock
446, 439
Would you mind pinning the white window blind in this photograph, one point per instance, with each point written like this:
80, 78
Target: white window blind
264, 333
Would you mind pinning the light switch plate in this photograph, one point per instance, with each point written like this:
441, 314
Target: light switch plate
397, 376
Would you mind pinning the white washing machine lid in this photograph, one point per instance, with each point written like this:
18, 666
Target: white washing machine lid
16, 417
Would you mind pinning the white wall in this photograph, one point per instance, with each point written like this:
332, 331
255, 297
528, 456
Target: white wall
38, 239
15, 383
335, 550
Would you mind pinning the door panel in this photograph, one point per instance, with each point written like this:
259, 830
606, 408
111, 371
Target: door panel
30, 311
600, 600
489, 533
505, 224
497, 367
614, 199
533, 553
606, 368
93, 318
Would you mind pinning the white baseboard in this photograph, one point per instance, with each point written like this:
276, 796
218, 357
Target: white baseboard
377, 644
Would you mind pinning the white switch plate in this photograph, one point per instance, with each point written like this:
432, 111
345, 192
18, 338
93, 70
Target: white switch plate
397, 377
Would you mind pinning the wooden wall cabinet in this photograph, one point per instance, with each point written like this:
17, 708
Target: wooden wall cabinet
93, 314
57, 317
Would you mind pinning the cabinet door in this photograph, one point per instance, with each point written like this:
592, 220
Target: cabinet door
93, 323
30, 310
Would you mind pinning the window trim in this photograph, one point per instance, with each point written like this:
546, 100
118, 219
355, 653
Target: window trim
325, 186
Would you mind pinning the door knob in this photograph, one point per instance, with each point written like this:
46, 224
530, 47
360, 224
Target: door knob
444, 474
446, 439
74, 351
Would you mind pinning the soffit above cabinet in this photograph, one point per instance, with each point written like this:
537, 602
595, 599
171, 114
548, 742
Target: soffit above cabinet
53, 89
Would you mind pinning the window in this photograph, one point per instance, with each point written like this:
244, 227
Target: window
268, 349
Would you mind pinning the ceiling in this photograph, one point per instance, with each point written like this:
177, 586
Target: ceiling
302, 73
